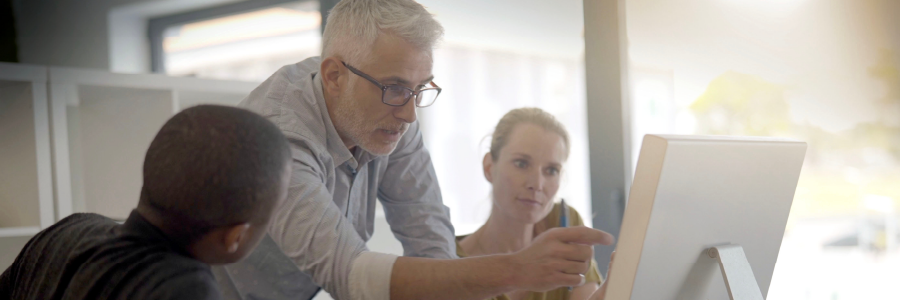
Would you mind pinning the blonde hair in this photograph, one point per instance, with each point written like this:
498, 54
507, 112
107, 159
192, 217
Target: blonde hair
530, 115
353, 26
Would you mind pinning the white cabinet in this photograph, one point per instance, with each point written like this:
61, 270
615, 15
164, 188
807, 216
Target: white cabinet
98, 126
90, 160
26, 194
73, 140
102, 125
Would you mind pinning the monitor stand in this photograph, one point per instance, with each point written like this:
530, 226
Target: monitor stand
739, 280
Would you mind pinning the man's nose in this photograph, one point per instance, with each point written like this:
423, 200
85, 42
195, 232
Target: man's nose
407, 112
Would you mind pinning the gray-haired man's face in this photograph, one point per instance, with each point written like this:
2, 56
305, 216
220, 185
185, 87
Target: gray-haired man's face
360, 114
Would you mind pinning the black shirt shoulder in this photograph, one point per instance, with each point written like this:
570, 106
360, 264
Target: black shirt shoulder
34, 269
89, 256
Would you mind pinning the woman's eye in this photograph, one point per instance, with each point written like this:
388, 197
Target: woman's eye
520, 163
552, 171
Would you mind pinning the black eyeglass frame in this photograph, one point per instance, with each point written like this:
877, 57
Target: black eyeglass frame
412, 93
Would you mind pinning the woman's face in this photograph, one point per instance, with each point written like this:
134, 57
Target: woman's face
525, 176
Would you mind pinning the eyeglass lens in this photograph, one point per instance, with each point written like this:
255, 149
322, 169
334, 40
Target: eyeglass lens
397, 95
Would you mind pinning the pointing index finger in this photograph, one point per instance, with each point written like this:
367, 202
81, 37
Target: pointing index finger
584, 235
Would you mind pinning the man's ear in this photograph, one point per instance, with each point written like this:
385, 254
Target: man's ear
488, 164
332, 70
234, 235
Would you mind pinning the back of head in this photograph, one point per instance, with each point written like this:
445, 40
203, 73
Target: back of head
353, 26
212, 166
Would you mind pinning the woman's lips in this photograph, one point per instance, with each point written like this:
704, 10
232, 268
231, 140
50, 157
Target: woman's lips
529, 202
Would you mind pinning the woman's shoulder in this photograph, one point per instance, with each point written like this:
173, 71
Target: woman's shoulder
552, 218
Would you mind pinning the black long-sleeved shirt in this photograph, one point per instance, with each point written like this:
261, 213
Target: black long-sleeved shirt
89, 256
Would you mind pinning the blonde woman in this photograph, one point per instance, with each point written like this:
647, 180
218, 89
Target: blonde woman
528, 150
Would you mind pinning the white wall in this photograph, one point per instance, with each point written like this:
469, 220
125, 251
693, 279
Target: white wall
530, 27
43, 27
64, 33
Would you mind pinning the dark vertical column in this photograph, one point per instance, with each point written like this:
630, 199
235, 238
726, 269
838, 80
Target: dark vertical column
605, 78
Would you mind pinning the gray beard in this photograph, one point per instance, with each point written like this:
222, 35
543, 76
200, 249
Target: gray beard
350, 122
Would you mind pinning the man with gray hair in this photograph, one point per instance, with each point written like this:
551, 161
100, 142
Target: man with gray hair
350, 117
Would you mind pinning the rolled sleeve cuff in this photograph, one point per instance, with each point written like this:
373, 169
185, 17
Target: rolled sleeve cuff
370, 276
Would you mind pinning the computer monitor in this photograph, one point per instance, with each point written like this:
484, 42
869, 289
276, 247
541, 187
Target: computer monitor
693, 193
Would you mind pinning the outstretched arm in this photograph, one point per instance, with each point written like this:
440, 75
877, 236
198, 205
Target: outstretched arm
556, 258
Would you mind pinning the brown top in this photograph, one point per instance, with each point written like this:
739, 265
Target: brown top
550, 221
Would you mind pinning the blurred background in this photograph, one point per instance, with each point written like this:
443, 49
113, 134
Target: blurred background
823, 71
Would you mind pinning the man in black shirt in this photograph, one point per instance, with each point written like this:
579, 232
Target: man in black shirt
213, 176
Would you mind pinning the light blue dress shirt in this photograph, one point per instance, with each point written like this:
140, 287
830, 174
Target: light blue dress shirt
329, 215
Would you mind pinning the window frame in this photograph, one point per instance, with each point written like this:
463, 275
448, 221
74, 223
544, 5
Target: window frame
157, 26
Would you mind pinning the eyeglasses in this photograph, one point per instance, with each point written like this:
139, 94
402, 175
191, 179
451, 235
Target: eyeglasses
398, 95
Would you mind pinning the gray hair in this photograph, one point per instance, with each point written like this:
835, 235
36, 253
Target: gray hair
353, 26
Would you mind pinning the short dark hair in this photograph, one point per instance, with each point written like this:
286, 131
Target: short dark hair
212, 166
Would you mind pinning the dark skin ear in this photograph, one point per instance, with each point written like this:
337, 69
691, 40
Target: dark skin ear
221, 244
334, 76
233, 237
487, 164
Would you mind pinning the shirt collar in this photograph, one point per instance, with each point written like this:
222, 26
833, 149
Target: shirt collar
138, 225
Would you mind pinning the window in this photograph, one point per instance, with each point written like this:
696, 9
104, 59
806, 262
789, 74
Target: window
825, 72
246, 45
495, 57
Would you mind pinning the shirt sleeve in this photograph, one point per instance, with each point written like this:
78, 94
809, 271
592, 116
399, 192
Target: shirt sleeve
370, 277
412, 202
311, 231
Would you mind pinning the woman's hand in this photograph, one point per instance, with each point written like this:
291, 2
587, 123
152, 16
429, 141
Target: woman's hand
600, 294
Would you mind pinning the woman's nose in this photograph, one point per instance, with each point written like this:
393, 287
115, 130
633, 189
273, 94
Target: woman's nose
535, 182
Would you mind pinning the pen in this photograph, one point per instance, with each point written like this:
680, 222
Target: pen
564, 217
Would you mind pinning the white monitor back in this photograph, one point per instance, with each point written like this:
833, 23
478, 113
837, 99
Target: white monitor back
691, 193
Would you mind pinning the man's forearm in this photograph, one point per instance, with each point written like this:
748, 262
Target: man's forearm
557, 257
468, 278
